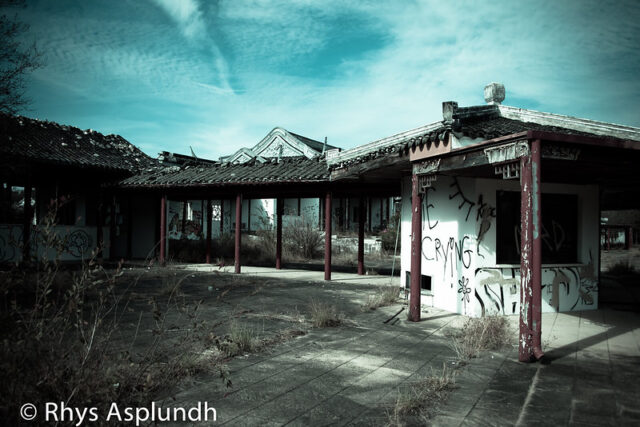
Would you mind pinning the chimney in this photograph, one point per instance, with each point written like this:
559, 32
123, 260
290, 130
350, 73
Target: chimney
494, 93
324, 147
448, 109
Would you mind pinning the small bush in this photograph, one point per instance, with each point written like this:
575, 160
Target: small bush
481, 334
422, 399
384, 296
324, 315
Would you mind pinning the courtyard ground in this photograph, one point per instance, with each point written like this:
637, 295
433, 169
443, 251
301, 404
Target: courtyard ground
351, 374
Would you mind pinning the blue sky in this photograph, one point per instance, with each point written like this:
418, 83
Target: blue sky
216, 76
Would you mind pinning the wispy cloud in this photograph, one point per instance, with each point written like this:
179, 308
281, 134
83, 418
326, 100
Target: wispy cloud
354, 70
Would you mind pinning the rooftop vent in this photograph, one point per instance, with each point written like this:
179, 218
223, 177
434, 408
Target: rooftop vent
494, 93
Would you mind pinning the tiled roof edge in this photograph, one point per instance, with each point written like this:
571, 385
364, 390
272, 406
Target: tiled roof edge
380, 144
569, 122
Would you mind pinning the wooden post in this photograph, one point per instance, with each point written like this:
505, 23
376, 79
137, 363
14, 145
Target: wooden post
327, 236
361, 221
209, 226
416, 249
238, 231
130, 227
184, 219
26, 223
99, 230
163, 229
221, 217
530, 256
279, 209
112, 227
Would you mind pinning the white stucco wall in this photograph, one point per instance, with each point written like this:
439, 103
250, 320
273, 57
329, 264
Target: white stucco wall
465, 277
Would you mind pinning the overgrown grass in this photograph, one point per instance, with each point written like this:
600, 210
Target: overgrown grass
240, 340
419, 401
481, 334
324, 315
383, 296
85, 339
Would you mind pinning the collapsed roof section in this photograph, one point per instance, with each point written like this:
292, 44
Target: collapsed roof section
25, 139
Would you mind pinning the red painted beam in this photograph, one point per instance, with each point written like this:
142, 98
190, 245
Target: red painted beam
209, 226
238, 231
327, 236
279, 209
361, 221
416, 249
163, 229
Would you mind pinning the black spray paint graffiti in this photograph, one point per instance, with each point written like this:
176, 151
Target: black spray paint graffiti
492, 292
454, 250
78, 243
427, 207
464, 200
484, 214
553, 240
566, 288
464, 290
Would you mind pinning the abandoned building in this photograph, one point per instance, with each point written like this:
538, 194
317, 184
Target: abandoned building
500, 205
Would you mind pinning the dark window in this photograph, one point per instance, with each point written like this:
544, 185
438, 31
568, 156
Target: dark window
559, 228
425, 281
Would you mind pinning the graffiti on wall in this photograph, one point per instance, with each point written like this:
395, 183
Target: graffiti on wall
78, 243
563, 289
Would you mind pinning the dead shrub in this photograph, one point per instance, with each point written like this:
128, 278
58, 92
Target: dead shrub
481, 334
420, 400
324, 315
302, 239
383, 296
68, 341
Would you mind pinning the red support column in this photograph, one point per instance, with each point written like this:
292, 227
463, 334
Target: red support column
209, 226
112, 227
536, 273
416, 249
238, 231
531, 256
327, 236
361, 221
26, 223
629, 237
163, 229
184, 218
99, 230
221, 217
279, 206
129, 227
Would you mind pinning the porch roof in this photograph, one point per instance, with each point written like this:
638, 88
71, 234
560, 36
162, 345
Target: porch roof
287, 170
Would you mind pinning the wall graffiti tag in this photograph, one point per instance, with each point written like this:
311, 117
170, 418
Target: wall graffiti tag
78, 243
